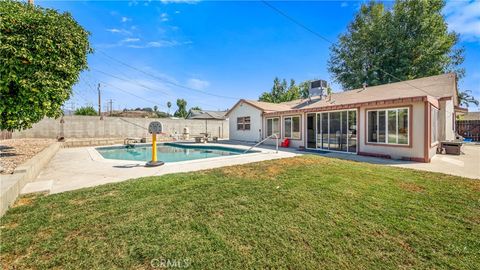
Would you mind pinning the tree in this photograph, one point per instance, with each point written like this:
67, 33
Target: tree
465, 98
195, 108
409, 41
169, 105
87, 110
304, 89
160, 114
281, 92
181, 112
42, 53
155, 108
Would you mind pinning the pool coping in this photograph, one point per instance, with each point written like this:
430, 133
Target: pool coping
96, 156
84, 167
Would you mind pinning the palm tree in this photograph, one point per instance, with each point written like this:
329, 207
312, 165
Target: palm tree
169, 104
465, 98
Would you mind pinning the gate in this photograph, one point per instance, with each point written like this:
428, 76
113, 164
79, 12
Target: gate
469, 129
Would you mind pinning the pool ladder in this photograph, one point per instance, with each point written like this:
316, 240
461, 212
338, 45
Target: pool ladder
262, 141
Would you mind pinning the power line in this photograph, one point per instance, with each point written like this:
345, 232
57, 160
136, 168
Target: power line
76, 93
329, 41
296, 22
142, 85
126, 80
137, 96
166, 80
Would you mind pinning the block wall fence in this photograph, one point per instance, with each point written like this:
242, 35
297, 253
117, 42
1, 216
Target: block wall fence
116, 127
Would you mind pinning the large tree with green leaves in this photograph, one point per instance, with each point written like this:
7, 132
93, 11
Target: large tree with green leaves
282, 92
408, 41
181, 112
42, 53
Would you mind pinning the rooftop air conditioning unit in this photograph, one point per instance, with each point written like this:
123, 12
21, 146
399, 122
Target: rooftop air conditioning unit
317, 87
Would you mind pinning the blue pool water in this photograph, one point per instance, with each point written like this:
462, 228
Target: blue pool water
167, 152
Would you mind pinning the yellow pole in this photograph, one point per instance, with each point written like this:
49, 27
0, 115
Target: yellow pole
154, 147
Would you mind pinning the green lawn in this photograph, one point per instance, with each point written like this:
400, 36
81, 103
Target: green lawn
307, 212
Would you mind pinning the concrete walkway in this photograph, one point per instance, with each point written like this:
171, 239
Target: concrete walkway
465, 165
75, 168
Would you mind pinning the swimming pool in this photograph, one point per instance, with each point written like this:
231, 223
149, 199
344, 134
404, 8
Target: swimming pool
167, 152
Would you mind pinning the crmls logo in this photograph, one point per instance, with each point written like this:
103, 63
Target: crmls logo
170, 263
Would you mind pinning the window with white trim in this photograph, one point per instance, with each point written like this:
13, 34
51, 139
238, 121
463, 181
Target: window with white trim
388, 126
243, 123
291, 127
433, 125
273, 126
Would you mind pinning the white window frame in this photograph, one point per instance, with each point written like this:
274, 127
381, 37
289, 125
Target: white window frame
244, 122
291, 126
434, 125
386, 110
272, 123
317, 115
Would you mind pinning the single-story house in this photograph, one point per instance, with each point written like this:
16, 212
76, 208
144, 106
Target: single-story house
207, 115
402, 120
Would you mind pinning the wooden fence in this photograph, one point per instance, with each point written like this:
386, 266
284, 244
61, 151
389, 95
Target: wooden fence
469, 129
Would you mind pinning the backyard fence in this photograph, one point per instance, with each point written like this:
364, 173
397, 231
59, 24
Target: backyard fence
117, 127
469, 129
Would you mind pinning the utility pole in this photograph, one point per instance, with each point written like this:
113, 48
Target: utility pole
110, 107
99, 102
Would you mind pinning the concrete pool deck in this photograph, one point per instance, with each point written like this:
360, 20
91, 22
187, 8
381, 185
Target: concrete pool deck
75, 168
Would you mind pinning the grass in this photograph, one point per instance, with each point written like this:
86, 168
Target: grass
306, 212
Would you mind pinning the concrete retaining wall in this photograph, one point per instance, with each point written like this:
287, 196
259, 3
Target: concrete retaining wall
116, 127
12, 184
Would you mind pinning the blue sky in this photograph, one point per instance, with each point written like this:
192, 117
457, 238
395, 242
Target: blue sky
224, 48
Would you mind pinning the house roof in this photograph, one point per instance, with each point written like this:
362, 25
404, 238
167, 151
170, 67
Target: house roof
471, 116
203, 114
441, 86
431, 88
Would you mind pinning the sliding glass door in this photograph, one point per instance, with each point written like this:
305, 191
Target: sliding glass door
336, 131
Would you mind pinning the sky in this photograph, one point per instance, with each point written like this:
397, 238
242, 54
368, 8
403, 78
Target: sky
213, 53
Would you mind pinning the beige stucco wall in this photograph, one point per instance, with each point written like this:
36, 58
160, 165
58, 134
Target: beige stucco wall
417, 138
242, 110
446, 124
93, 127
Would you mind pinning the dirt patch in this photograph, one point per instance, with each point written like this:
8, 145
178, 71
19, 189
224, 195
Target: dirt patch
77, 201
405, 245
44, 234
73, 235
271, 171
218, 214
14, 152
23, 201
412, 187
475, 185
12, 225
